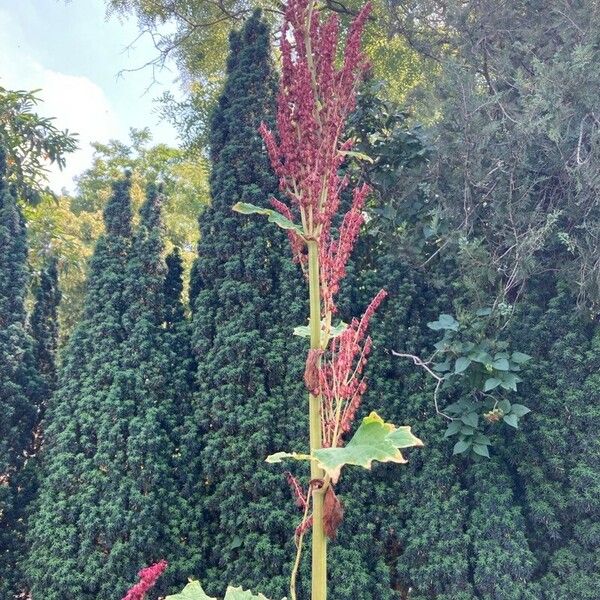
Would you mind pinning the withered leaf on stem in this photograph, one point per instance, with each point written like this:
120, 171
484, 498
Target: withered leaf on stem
311, 372
333, 513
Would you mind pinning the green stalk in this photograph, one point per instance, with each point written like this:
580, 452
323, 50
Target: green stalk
319, 540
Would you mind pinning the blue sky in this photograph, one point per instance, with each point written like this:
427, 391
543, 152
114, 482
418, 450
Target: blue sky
74, 54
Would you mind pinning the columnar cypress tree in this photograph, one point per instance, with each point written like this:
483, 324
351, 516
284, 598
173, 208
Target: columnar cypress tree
142, 420
249, 402
20, 389
44, 325
69, 545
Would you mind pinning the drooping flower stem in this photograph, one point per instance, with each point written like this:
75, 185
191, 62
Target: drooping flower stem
319, 540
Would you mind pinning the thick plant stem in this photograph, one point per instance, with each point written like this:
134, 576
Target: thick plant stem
319, 541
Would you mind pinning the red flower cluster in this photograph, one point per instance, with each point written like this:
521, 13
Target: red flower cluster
341, 379
148, 577
315, 99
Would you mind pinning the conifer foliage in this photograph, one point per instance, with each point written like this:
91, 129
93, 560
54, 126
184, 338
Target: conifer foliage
249, 374
106, 501
44, 325
20, 386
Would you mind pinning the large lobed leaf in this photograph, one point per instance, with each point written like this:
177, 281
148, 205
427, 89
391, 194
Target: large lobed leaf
373, 440
194, 591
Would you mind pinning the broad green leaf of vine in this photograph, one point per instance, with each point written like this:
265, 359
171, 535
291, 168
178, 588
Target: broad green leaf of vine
274, 217
194, 591
373, 440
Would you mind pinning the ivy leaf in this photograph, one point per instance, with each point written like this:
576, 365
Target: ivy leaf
373, 440
462, 364
491, 383
481, 449
512, 420
472, 419
509, 381
501, 364
274, 217
519, 410
505, 406
520, 357
461, 446
441, 367
453, 428
481, 357
444, 322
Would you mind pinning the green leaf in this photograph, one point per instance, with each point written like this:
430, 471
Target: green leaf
334, 331
501, 364
358, 155
194, 591
491, 383
274, 217
504, 406
512, 420
302, 331
373, 440
442, 366
472, 419
509, 381
461, 446
280, 456
520, 357
519, 410
483, 312
481, 357
481, 449
453, 428
482, 439
444, 322
338, 329
462, 363
239, 594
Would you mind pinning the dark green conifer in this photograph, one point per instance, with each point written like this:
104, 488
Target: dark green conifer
72, 538
248, 297
126, 502
20, 387
44, 325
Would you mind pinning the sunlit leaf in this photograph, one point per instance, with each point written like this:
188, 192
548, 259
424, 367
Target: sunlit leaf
373, 440
273, 216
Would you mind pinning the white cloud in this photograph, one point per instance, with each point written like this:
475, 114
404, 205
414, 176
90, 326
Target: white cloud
76, 102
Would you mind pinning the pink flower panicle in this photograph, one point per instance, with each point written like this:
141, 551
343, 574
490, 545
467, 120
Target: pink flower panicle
342, 383
296, 490
147, 580
314, 102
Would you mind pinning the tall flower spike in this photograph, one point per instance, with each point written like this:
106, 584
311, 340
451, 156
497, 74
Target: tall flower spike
314, 102
341, 379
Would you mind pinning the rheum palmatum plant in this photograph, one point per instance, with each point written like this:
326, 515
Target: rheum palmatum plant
307, 151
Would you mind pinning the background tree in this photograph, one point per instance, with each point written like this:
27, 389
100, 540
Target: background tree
69, 544
44, 325
197, 32
30, 144
248, 365
20, 386
69, 226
